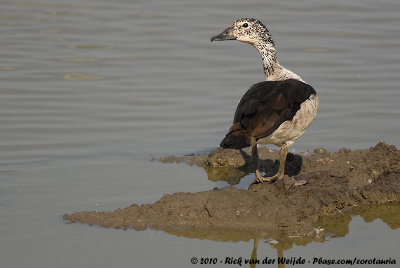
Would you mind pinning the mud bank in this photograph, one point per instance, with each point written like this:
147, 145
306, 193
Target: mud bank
336, 183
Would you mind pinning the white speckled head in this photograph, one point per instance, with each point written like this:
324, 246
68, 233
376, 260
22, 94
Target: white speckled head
253, 32
246, 30
250, 31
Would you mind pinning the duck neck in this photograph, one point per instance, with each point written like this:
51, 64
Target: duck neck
267, 50
272, 69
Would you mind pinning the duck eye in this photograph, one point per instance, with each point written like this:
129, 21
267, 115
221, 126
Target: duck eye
245, 25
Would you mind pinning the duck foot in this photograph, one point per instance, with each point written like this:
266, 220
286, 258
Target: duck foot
260, 179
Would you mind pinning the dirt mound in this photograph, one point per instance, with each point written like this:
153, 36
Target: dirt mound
336, 183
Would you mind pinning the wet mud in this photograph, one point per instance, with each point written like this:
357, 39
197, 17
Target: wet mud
336, 184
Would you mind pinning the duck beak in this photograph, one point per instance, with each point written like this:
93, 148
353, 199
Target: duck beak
225, 35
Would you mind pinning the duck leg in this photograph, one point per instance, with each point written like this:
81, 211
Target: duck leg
281, 171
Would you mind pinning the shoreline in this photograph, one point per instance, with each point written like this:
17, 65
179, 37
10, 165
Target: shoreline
336, 183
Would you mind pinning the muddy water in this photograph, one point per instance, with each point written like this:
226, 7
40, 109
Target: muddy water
90, 90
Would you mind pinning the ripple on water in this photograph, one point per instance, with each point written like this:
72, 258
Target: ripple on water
54, 39
62, 13
49, 31
22, 18
317, 49
10, 23
33, 4
80, 76
89, 46
6, 68
344, 34
148, 102
147, 16
79, 59
4, 90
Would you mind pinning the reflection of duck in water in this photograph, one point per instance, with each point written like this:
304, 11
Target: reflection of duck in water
277, 111
254, 252
279, 248
335, 226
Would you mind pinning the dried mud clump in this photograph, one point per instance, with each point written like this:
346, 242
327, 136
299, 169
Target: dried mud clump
336, 182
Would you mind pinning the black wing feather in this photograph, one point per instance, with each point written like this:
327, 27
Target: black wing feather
263, 108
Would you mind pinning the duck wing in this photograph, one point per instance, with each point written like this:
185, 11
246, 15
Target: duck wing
263, 108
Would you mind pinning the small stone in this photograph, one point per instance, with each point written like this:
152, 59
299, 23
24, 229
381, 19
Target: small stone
344, 151
375, 172
318, 230
300, 182
320, 151
305, 153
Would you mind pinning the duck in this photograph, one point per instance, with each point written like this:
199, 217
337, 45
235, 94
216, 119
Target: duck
275, 111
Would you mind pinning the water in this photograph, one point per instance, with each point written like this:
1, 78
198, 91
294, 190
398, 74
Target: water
90, 90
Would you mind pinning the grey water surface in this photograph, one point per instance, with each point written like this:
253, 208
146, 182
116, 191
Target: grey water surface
90, 90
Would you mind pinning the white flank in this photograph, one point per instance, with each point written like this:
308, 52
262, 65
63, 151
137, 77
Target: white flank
289, 131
